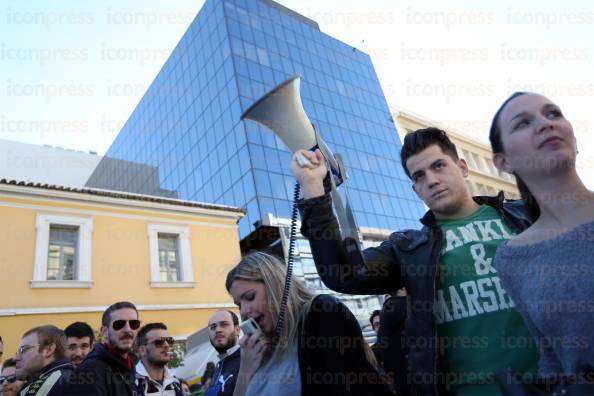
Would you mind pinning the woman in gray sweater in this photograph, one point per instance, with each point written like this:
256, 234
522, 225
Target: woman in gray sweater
548, 270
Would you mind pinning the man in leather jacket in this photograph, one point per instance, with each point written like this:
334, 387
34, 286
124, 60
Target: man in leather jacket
110, 367
461, 327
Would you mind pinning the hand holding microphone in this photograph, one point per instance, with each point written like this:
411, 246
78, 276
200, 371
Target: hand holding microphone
309, 168
253, 347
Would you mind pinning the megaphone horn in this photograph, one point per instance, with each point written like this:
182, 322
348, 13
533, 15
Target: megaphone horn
282, 112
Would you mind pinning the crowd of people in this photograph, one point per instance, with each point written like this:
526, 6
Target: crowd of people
488, 297
500, 293
51, 362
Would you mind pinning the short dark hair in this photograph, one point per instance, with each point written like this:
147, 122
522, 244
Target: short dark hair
106, 318
419, 140
141, 336
8, 363
47, 335
373, 315
79, 330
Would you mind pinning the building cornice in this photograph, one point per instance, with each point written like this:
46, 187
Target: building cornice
102, 308
124, 201
406, 115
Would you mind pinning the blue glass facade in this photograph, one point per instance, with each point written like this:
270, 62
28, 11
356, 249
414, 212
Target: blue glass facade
187, 127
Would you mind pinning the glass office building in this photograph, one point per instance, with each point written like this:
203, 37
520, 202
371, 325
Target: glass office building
187, 137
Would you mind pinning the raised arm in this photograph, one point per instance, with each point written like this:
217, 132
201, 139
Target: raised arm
341, 267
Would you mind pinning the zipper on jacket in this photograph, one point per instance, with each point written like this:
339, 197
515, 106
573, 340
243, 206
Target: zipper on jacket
437, 252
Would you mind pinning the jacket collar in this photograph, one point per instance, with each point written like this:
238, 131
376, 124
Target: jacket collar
60, 364
117, 363
495, 201
168, 377
229, 352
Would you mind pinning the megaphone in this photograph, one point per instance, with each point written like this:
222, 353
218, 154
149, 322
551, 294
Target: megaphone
282, 112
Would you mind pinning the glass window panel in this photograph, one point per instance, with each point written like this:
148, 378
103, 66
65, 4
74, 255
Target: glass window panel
263, 184
266, 206
308, 265
254, 71
169, 270
62, 257
283, 207
234, 29
69, 268
272, 159
53, 262
258, 158
277, 183
263, 56
248, 187
253, 211
244, 159
268, 137
250, 52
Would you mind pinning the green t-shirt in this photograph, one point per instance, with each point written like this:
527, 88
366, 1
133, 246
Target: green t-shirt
479, 331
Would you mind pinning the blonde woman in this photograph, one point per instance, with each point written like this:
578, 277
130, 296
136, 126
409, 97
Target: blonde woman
320, 350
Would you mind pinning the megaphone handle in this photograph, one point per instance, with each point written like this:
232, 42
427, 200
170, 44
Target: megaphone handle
302, 161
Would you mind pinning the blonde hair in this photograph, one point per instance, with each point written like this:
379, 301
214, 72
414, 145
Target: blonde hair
269, 270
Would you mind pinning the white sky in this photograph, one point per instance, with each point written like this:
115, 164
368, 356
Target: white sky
71, 72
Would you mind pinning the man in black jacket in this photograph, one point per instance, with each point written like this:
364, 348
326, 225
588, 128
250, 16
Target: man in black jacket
109, 368
462, 326
223, 331
41, 361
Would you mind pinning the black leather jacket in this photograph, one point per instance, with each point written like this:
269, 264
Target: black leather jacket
409, 258
103, 374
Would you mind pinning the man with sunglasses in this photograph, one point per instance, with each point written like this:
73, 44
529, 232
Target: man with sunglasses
9, 384
109, 368
154, 344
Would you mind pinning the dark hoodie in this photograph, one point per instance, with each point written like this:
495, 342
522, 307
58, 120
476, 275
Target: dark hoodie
223, 381
50, 380
103, 373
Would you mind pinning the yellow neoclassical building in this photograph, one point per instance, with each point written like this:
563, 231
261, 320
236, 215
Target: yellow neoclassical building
69, 253
483, 177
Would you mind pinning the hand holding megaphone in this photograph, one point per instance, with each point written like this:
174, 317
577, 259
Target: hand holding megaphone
309, 168
302, 161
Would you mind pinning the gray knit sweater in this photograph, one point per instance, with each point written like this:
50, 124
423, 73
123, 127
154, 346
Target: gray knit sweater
552, 284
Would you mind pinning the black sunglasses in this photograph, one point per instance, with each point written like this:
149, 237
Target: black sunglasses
119, 324
9, 379
159, 342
